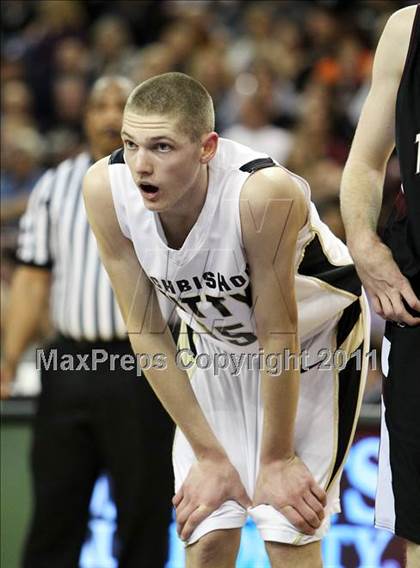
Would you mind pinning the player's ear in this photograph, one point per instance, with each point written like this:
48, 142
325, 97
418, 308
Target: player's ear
208, 146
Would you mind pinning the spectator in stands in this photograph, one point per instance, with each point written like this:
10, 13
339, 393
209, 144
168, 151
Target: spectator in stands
256, 131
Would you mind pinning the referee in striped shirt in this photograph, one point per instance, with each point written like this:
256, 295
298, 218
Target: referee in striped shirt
88, 420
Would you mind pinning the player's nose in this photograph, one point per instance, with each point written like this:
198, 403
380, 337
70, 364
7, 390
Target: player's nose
143, 163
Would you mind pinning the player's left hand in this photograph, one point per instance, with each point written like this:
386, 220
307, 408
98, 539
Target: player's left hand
7, 373
289, 487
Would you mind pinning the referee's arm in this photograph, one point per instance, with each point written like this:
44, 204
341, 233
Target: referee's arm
29, 292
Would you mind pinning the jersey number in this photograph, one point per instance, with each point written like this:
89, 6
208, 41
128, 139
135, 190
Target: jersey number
236, 337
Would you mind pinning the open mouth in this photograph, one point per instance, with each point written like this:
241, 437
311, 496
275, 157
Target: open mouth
149, 189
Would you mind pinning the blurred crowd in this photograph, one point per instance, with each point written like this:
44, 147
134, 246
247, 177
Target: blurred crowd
287, 77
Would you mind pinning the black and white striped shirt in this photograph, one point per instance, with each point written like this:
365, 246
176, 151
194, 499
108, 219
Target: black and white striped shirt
55, 234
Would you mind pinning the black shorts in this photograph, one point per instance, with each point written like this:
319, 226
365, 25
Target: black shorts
398, 494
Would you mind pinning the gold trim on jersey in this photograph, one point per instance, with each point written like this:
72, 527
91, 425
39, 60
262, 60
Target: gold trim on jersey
349, 345
353, 341
317, 280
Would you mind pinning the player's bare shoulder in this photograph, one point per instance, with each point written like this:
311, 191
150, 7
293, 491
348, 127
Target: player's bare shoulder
402, 20
96, 184
395, 38
274, 184
100, 206
98, 195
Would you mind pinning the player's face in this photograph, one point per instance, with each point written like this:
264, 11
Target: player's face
104, 117
164, 163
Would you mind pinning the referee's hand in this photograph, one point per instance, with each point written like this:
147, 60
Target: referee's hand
7, 375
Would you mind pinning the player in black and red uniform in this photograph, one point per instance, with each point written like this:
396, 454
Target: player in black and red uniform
390, 270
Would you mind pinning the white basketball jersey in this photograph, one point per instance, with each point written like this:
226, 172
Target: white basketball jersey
208, 279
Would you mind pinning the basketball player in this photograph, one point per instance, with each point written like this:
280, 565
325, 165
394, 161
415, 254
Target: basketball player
390, 270
234, 242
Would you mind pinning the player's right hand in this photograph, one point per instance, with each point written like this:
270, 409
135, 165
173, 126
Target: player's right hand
386, 286
7, 374
208, 485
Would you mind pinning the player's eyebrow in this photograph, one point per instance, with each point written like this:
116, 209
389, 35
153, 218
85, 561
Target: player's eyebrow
162, 137
124, 133
152, 139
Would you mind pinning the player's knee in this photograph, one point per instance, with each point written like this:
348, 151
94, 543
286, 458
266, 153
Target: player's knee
214, 550
289, 556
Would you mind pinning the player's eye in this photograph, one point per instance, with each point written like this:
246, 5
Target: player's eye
130, 145
163, 147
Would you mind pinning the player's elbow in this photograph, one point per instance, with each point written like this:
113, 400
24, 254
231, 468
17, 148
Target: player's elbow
278, 335
280, 342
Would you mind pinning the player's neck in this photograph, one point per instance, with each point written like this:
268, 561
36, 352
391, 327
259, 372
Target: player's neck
179, 220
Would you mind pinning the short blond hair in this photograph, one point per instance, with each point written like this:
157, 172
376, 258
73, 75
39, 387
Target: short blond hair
175, 95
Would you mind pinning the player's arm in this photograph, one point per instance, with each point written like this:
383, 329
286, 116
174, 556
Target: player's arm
363, 176
273, 209
213, 479
140, 310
